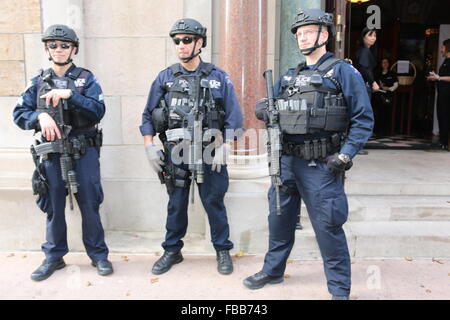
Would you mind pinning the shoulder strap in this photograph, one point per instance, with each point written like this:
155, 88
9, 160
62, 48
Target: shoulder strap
78, 72
176, 69
328, 64
41, 74
300, 66
206, 68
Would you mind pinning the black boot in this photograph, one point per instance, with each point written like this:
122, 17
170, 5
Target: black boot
46, 269
166, 262
104, 267
224, 263
260, 279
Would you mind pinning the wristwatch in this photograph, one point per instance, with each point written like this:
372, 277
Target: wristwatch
345, 158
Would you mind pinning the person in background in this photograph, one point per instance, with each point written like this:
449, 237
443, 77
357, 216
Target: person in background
443, 99
366, 59
388, 84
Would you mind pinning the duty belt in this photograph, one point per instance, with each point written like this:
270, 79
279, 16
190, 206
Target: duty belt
313, 149
75, 145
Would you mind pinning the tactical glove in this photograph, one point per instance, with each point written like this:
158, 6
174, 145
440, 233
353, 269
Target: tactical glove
155, 157
336, 165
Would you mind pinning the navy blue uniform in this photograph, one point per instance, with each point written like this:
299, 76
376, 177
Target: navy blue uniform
321, 190
212, 190
90, 194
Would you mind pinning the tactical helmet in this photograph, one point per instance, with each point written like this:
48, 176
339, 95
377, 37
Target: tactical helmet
314, 16
60, 32
189, 26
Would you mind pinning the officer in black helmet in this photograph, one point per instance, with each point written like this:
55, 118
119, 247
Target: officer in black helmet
178, 90
325, 117
35, 110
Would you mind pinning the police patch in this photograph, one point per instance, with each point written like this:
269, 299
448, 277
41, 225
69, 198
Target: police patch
80, 82
227, 80
213, 84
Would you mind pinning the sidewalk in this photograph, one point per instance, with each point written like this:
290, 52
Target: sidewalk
196, 278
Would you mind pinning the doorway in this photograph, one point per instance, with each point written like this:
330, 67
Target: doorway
409, 32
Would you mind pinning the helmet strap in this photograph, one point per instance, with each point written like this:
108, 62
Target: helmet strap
61, 64
310, 50
192, 56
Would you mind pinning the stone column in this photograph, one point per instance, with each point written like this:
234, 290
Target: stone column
290, 56
243, 55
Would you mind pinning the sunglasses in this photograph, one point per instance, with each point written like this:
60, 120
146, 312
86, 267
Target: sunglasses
185, 40
62, 46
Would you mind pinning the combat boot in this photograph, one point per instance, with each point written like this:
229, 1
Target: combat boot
46, 269
166, 262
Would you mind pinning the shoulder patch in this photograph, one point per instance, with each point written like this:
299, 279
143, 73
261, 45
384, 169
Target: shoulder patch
353, 69
228, 80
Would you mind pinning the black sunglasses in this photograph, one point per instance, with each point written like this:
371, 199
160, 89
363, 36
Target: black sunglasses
185, 40
62, 45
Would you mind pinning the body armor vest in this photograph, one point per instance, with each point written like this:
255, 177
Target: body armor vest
307, 106
185, 92
75, 119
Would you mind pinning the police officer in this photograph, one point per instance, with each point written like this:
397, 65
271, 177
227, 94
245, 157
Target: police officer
173, 95
443, 99
36, 110
316, 104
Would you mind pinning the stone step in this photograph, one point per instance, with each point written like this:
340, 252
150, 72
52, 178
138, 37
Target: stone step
23, 228
424, 239
16, 168
395, 208
419, 239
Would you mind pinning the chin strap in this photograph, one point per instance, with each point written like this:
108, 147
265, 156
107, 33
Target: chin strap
61, 63
310, 50
192, 56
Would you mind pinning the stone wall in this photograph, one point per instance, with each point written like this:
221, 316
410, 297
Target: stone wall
125, 44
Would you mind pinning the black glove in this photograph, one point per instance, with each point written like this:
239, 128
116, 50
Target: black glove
336, 165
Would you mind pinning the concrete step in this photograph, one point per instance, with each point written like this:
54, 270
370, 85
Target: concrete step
418, 239
398, 172
150, 242
425, 239
16, 168
395, 208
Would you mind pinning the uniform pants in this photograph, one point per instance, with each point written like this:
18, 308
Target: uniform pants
212, 192
326, 202
89, 197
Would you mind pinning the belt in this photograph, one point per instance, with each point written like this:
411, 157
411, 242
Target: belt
313, 149
74, 145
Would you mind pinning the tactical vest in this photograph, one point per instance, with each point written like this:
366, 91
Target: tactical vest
307, 106
185, 92
75, 119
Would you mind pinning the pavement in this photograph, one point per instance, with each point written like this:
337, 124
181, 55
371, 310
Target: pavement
196, 278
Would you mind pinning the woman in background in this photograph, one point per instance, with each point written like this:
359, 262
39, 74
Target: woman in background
366, 60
